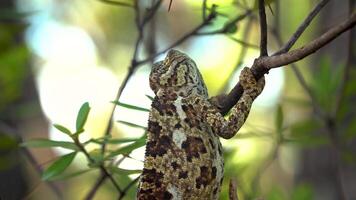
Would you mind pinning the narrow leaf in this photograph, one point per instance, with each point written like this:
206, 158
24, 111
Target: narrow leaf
129, 106
132, 124
46, 143
69, 175
58, 166
82, 116
62, 129
149, 97
114, 141
129, 148
121, 171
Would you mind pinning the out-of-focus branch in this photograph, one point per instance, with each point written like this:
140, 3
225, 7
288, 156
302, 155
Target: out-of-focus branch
233, 190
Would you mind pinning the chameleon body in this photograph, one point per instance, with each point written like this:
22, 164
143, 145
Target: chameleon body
184, 158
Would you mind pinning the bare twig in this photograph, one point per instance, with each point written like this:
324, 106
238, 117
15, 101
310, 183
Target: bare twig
302, 27
298, 74
263, 28
170, 4
180, 40
204, 5
226, 27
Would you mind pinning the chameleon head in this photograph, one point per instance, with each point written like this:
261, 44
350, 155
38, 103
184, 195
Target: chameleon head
177, 74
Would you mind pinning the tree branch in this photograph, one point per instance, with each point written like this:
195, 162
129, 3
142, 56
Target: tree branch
262, 65
263, 28
312, 47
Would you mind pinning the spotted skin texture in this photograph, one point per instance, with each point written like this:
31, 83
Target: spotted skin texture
184, 157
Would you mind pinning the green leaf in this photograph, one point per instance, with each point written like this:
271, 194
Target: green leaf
58, 166
279, 119
129, 148
120, 171
46, 143
69, 175
129, 106
82, 116
62, 129
149, 97
114, 141
132, 124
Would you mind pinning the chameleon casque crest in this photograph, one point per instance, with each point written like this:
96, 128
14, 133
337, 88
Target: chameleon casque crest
184, 157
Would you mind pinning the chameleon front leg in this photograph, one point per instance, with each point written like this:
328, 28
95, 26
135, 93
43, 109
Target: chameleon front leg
228, 128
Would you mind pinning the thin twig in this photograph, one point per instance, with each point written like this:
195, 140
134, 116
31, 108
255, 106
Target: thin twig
263, 28
179, 41
302, 27
170, 4
194, 32
204, 5
297, 73
227, 25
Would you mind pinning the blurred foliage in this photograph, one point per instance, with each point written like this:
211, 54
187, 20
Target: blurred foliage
14, 58
8, 150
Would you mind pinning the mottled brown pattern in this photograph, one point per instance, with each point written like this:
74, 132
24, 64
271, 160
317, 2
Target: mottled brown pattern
184, 158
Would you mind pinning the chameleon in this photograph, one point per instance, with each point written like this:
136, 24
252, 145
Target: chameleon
184, 156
